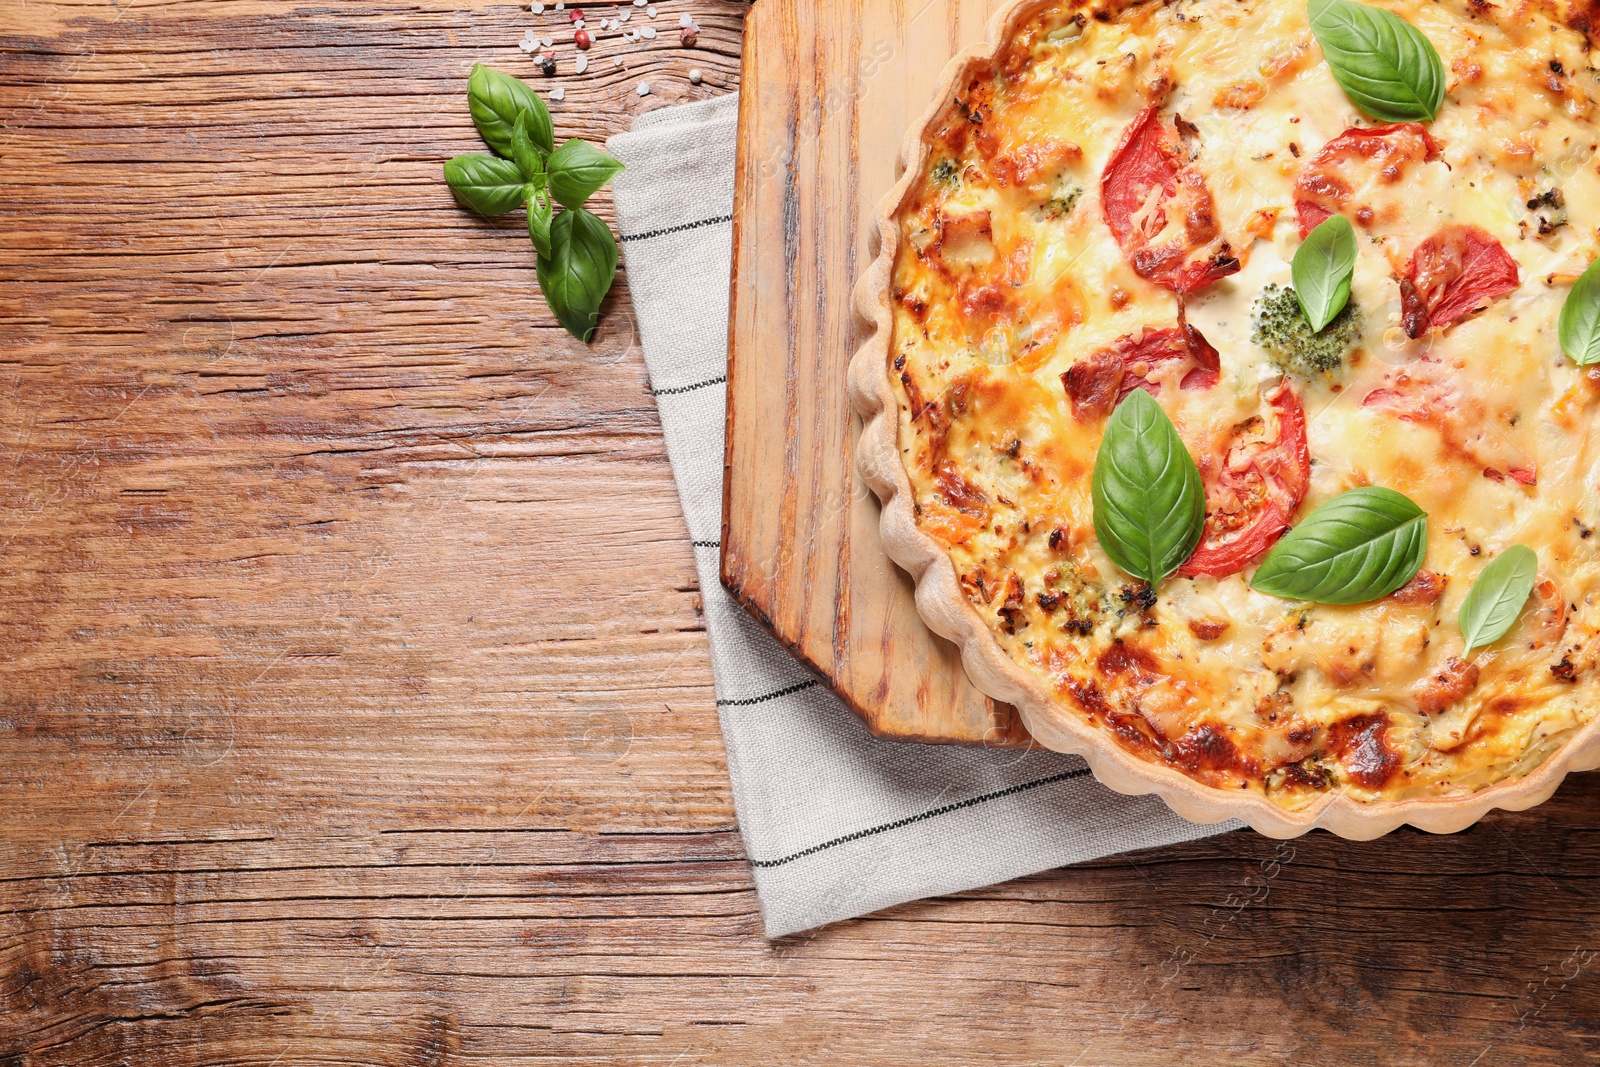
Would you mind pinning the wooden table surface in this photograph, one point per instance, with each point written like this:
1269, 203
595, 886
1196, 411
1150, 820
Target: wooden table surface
354, 703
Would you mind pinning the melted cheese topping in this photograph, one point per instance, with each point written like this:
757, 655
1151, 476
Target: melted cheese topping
1008, 275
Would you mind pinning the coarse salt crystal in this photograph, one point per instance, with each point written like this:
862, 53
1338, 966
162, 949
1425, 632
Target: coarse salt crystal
695, 76
558, 93
582, 63
644, 88
624, 16
548, 42
640, 3
527, 45
648, 33
651, 11
685, 21
536, 7
616, 61
561, 5
577, 24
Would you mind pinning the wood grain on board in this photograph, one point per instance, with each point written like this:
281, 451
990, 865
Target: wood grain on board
828, 91
355, 707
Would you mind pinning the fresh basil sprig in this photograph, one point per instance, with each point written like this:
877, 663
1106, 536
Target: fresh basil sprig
1497, 597
1149, 506
1363, 544
1322, 268
1385, 65
1579, 323
576, 253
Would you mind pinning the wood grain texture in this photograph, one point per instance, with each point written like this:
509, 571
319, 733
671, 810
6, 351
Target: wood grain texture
354, 703
828, 91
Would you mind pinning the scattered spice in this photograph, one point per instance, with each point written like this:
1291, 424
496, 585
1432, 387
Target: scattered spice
547, 64
581, 64
575, 15
695, 78
648, 33
536, 7
582, 40
558, 93
644, 88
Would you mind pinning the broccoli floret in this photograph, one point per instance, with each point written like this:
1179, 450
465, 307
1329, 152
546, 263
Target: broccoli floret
1281, 328
1063, 196
946, 172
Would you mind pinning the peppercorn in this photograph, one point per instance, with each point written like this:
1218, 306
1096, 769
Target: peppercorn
688, 38
581, 39
574, 14
547, 64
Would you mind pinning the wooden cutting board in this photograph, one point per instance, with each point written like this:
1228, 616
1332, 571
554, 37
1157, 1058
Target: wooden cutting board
828, 89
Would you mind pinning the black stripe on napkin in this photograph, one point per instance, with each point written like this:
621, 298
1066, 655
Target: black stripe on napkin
688, 388
929, 814
706, 544
763, 699
627, 237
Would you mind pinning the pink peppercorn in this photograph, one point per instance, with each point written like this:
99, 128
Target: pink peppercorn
688, 38
573, 14
581, 39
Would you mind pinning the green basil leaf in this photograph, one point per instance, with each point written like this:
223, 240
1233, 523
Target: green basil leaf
1149, 506
1322, 268
1383, 63
577, 169
496, 100
539, 220
1359, 546
487, 184
1497, 597
577, 273
1579, 324
527, 158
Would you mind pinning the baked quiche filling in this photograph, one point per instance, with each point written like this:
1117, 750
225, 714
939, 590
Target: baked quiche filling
1114, 204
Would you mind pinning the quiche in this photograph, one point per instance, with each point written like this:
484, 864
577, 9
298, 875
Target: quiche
1341, 280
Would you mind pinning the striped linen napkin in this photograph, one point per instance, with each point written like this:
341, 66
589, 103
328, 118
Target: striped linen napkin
836, 823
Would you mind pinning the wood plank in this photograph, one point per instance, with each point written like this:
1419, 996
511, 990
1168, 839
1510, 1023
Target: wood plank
828, 89
354, 703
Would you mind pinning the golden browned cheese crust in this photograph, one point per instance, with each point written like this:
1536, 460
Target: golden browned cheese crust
1012, 297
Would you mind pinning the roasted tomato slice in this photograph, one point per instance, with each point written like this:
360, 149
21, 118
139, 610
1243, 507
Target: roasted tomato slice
1252, 493
1457, 271
1148, 183
1097, 384
1355, 158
